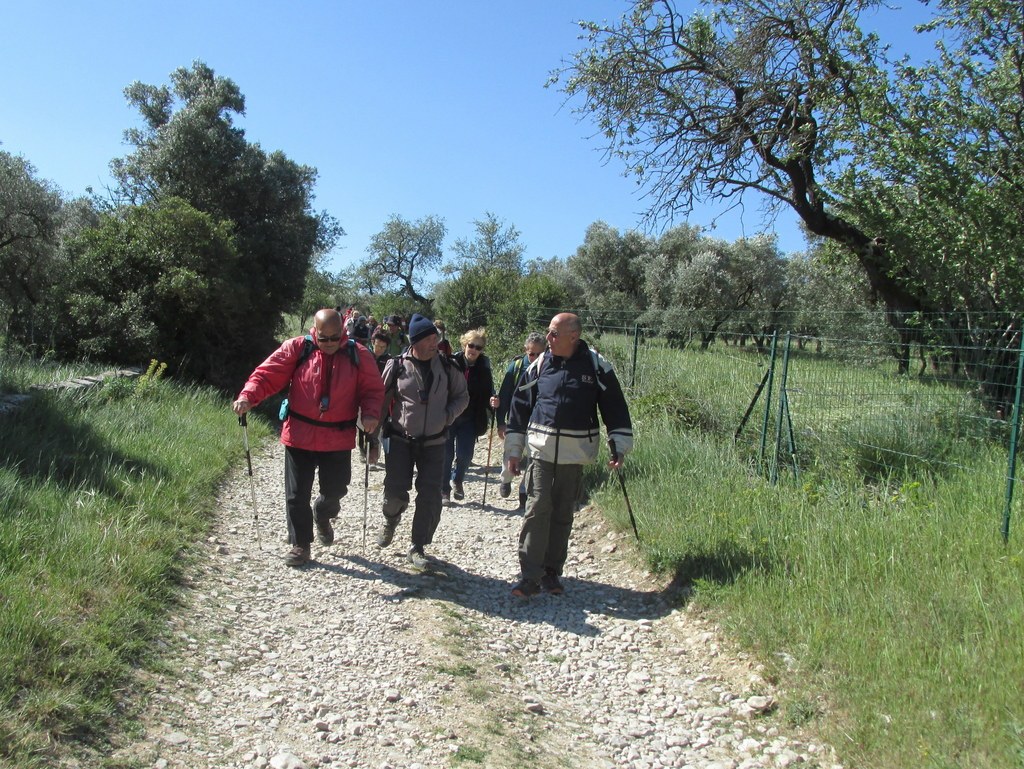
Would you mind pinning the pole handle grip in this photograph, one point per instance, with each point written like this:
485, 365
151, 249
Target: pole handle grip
242, 420
615, 453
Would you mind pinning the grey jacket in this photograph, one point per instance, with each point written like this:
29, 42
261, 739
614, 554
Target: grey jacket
415, 418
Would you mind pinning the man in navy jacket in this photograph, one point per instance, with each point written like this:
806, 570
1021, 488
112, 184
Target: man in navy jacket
554, 419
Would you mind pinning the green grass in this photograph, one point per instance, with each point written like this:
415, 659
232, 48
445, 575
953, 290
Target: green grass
18, 371
101, 494
876, 587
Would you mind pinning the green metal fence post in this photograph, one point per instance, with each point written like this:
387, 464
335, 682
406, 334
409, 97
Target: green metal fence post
1011, 470
782, 408
636, 347
768, 400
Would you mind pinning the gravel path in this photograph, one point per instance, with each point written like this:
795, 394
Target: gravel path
356, 661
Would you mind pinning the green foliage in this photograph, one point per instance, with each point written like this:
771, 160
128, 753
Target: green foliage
150, 384
504, 302
159, 278
611, 267
30, 213
496, 246
189, 148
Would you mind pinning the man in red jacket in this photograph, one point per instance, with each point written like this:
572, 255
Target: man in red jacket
330, 389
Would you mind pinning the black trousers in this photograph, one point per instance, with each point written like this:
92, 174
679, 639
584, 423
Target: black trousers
300, 467
402, 459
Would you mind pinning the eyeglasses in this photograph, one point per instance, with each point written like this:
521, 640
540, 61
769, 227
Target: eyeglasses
478, 347
532, 355
552, 332
328, 339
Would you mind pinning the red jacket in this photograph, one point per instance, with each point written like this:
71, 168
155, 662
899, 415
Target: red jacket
352, 390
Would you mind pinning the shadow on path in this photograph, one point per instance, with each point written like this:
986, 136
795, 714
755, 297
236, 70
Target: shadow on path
570, 612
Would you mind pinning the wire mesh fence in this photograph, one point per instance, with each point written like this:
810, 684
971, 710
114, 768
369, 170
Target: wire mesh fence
881, 396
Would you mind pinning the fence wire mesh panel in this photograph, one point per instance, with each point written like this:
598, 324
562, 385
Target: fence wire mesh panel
882, 399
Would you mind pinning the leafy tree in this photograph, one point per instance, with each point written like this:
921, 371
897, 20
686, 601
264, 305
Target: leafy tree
609, 268
699, 285
188, 147
942, 171
402, 252
496, 246
157, 280
30, 219
756, 96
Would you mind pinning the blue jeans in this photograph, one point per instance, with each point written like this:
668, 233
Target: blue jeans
458, 451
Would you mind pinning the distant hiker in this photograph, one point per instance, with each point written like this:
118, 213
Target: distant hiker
423, 394
532, 347
379, 341
333, 381
554, 418
444, 347
399, 340
473, 422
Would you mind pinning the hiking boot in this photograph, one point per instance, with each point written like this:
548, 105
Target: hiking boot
505, 489
417, 559
526, 588
551, 583
458, 493
386, 533
297, 556
324, 531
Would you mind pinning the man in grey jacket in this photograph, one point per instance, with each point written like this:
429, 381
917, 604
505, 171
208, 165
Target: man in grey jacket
422, 396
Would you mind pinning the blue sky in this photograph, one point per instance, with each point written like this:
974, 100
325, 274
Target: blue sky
408, 108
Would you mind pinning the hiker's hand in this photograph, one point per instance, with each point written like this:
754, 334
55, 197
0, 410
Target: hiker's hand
615, 463
241, 406
495, 402
501, 432
513, 465
370, 424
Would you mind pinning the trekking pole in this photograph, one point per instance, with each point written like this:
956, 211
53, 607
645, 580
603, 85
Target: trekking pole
487, 470
366, 493
622, 483
252, 484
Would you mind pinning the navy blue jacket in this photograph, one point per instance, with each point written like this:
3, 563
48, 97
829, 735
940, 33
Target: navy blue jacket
554, 412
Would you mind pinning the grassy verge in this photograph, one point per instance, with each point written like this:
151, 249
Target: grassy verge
101, 494
888, 603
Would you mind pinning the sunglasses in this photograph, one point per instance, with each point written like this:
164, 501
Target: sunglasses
477, 347
552, 332
328, 339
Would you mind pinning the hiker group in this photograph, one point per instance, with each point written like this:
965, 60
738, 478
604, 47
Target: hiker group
400, 393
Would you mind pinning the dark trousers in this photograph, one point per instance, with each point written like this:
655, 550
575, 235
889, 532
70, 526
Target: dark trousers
458, 451
300, 466
402, 459
550, 507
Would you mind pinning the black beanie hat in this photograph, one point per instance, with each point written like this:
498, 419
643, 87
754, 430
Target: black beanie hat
420, 328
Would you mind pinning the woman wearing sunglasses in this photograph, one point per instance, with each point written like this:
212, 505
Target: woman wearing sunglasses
473, 422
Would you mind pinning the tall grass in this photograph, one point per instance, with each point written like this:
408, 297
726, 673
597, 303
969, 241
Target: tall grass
19, 371
885, 604
101, 494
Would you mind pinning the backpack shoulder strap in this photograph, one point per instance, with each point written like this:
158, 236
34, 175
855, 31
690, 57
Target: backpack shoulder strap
353, 353
308, 345
532, 373
397, 369
517, 367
